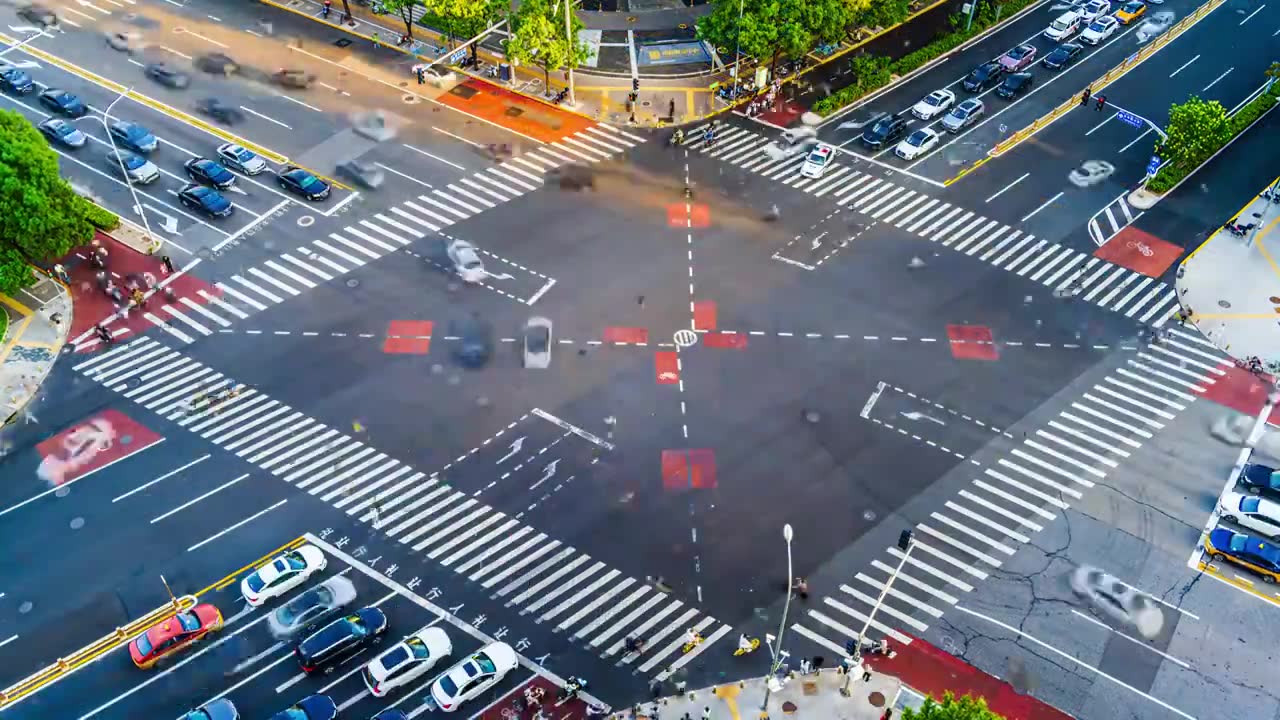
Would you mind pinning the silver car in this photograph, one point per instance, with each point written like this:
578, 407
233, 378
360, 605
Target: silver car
963, 115
537, 343
240, 159
133, 168
466, 261
1122, 603
312, 607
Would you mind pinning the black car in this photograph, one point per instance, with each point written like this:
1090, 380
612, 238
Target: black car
1015, 85
61, 132
884, 131
984, 76
217, 64
475, 346
300, 182
63, 103
133, 136
1062, 56
167, 75
220, 111
38, 14
1260, 479
341, 639
312, 707
206, 171
205, 200
16, 81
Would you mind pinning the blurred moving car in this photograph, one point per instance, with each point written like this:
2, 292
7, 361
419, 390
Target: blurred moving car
1252, 512
366, 175
373, 125
311, 608
123, 41
537, 343
219, 111
220, 709
63, 103
282, 574
238, 158
174, 634
793, 142
167, 75
38, 14
340, 640
1251, 553
437, 74
473, 676
206, 171
297, 79
217, 64
131, 167
133, 136
933, 104
1117, 600
312, 707
466, 261
61, 132
1091, 172
406, 661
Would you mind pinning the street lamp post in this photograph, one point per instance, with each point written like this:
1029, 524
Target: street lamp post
787, 534
904, 543
737, 55
124, 172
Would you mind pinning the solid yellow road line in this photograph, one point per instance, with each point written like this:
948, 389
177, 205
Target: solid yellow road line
232, 577
1237, 583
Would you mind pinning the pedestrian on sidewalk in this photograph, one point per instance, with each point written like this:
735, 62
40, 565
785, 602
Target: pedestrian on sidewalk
805, 666
671, 109
167, 264
374, 38
422, 75
706, 713
328, 5
818, 662
61, 273
801, 587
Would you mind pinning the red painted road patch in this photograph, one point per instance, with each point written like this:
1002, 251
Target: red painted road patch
666, 365
408, 337
541, 689
90, 445
686, 215
972, 342
685, 469
1139, 251
513, 111
631, 335
704, 315
726, 341
1241, 391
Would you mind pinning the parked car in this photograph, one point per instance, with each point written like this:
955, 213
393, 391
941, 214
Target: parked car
205, 200
239, 159
986, 75
167, 75
341, 640
1015, 85
1250, 511
884, 132
1251, 553
1095, 9
1018, 58
473, 676
964, 115
61, 132
300, 182
1066, 25
174, 634
934, 104
1062, 56
220, 709
133, 136
1131, 11
406, 661
1260, 479
206, 171
312, 707
131, 167
1099, 30
475, 344
282, 574
63, 103
537, 343
466, 261
818, 161
917, 143
17, 81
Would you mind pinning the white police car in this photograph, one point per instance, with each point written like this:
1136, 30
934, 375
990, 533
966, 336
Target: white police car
818, 161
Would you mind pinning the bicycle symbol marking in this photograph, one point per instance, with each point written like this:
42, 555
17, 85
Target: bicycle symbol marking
685, 338
1141, 247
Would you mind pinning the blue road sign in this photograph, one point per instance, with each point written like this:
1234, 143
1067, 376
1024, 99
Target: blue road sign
1130, 118
1153, 165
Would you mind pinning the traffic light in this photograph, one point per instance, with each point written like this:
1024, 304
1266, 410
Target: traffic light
1084, 97
635, 84
632, 97
1102, 100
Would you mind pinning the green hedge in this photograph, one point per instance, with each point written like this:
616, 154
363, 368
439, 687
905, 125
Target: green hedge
1174, 172
15, 272
874, 72
100, 217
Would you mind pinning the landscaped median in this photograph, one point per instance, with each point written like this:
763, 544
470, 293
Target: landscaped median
1198, 130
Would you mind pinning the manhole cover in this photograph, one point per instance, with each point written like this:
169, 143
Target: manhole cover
646, 103
789, 708
409, 99
342, 42
876, 699
1224, 304
810, 688
466, 92
514, 112
353, 283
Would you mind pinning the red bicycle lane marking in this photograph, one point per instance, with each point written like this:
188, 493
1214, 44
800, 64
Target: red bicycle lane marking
504, 707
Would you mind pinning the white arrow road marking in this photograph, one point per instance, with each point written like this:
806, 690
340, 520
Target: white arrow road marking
169, 223
500, 276
25, 29
515, 448
547, 472
922, 416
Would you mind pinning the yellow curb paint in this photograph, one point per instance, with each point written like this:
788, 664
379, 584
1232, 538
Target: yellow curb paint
1241, 584
33, 344
15, 336
1263, 247
15, 304
1235, 316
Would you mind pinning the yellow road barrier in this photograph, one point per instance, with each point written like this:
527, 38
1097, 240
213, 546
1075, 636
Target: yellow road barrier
93, 651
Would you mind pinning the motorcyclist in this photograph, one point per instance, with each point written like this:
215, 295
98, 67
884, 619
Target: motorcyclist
678, 137
744, 643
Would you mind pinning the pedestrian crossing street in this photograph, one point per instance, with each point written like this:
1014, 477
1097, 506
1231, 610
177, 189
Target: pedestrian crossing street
1012, 497
552, 582
369, 239
1058, 267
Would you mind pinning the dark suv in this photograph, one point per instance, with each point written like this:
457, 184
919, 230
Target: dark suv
1015, 85
341, 639
984, 76
884, 131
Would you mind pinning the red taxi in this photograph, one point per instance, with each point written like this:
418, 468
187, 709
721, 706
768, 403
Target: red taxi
170, 636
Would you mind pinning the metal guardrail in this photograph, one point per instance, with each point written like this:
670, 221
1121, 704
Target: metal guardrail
1111, 76
93, 651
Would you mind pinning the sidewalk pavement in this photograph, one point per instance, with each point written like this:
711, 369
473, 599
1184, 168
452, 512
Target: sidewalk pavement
915, 670
39, 321
1230, 285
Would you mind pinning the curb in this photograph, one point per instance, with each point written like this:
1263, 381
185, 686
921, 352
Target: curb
1229, 221
64, 335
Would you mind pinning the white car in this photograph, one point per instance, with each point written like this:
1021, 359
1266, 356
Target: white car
238, 158
282, 574
466, 261
407, 661
1095, 9
818, 161
1117, 600
537, 343
917, 143
473, 676
1067, 24
792, 142
1251, 511
1099, 30
934, 104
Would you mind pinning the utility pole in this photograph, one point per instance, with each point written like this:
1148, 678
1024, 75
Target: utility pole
787, 535
905, 544
568, 38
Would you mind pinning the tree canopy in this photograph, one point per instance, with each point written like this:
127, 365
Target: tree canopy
41, 217
466, 18
403, 9
770, 29
952, 708
538, 38
1196, 130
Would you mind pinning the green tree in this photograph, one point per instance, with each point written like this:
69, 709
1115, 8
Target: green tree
15, 273
881, 13
1272, 74
1196, 130
466, 18
538, 38
40, 215
776, 28
952, 708
403, 9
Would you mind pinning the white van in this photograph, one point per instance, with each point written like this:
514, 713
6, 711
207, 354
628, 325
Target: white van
1067, 24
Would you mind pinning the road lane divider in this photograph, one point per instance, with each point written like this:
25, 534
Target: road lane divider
1101, 83
65, 666
227, 580
164, 109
